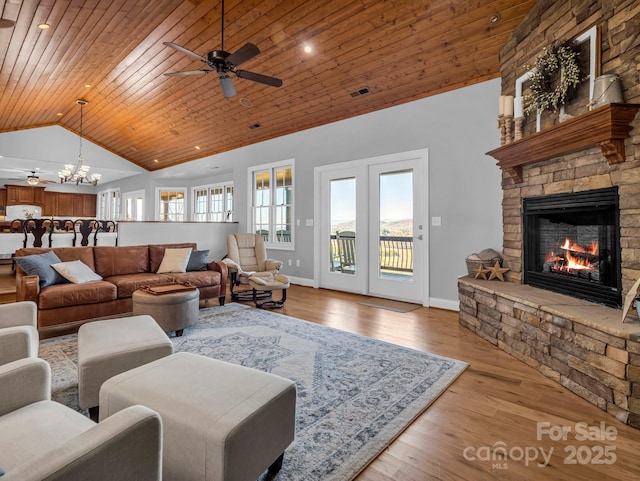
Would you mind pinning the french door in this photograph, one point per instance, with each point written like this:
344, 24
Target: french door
370, 236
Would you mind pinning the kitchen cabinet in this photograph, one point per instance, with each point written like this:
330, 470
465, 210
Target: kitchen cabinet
25, 195
50, 204
58, 204
65, 204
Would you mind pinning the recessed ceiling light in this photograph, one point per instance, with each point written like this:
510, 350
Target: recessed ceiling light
87, 86
155, 160
245, 102
59, 114
494, 18
197, 147
43, 26
307, 48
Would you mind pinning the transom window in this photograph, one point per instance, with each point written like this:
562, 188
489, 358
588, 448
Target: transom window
272, 203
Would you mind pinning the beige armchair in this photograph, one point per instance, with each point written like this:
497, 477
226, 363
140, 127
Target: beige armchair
18, 331
247, 257
41, 439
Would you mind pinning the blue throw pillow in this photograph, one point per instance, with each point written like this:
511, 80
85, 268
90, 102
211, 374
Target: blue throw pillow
1, 471
40, 265
198, 261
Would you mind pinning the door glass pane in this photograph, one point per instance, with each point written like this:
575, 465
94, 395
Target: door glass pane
342, 242
139, 207
396, 225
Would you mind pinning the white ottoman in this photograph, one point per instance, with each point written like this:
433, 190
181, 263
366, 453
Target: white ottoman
220, 421
107, 348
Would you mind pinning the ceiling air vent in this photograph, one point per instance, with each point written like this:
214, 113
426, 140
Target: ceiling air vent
362, 91
255, 126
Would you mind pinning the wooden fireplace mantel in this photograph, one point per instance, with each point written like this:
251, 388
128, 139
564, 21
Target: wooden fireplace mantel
606, 127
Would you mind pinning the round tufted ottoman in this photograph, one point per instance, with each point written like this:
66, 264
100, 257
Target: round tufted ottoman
261, 284
173, 311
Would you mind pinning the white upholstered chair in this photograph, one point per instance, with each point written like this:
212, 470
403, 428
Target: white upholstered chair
41, 439
18, 331
247, 257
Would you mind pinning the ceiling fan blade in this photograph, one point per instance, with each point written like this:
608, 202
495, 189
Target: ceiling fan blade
187, 72
228, 89
244, 53
256, 77
185, 51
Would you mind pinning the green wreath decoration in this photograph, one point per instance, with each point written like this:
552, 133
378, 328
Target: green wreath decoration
543, 95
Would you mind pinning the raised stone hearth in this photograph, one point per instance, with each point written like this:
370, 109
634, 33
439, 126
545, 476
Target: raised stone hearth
584, 346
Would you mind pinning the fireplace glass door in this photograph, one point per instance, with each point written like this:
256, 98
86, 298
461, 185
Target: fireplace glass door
572, 246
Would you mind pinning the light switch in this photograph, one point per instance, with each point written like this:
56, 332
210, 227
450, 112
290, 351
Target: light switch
309, 222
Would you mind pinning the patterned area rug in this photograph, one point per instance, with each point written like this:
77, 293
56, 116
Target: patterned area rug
355, 394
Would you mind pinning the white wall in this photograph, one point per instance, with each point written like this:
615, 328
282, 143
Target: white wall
457, 127
207, 235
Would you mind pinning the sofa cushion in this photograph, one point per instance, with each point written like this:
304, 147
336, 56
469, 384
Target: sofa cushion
66, 295
126, 284
198, 260
117, 261
40, 265
175, 260
84, 254
76, 271
199, 278
156, 253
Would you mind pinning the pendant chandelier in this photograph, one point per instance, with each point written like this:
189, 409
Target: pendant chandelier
78, 173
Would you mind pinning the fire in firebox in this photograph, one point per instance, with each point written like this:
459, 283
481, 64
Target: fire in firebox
575, 260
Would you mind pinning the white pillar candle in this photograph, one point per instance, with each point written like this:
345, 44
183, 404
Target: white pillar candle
508, 105
517, 107
501, 105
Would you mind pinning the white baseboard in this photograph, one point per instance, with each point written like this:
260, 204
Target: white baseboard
301, 281
444, 304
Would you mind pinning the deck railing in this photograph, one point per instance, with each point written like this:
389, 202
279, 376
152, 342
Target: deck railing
396, 253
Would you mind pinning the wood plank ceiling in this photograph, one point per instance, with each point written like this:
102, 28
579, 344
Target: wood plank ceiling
111, 53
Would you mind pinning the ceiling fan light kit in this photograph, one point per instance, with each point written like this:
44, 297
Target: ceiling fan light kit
224, 62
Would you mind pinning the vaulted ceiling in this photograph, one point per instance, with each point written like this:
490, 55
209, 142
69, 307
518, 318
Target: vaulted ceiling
365, 55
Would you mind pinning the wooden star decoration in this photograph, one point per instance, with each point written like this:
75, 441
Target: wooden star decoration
481, 272
496, 271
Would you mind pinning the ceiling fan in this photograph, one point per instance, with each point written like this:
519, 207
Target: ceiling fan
223, 63
34, 179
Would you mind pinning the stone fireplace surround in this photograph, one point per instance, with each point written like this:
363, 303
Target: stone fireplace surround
583, 346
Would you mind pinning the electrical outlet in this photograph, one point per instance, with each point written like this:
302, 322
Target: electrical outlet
297, 262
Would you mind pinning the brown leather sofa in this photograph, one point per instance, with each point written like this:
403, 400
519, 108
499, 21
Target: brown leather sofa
63, 308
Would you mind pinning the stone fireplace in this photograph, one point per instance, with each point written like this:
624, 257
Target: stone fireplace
571, 244
565, 319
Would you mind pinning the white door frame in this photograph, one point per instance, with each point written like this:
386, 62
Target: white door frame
320, 209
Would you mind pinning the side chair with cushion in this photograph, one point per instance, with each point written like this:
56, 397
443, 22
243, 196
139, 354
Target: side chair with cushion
247, 257
18, 331
41, 439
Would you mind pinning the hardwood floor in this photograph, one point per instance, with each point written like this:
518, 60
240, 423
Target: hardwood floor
495, 404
